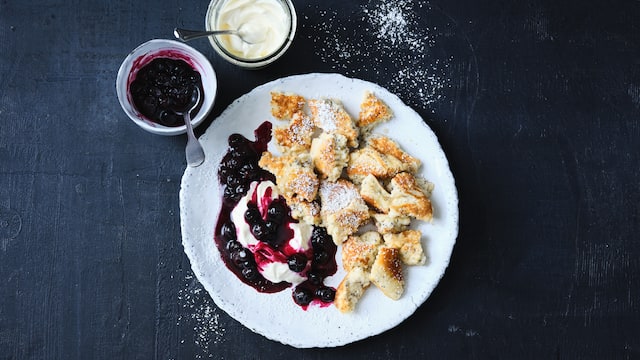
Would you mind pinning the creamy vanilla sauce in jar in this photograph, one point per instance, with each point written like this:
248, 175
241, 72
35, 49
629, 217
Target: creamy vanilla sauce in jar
264, 23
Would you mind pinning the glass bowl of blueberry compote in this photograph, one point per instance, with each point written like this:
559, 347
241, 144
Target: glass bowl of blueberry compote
158, 77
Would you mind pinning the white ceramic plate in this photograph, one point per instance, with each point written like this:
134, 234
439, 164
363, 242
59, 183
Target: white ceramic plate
276, 316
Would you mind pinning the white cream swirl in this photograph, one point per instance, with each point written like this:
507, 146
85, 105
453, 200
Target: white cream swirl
272, 266
265, 24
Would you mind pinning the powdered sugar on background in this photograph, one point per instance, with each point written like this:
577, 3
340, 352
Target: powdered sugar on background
394, 24
387, 32
202, 315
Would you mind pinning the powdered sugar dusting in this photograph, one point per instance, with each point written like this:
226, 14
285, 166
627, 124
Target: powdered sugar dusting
325, 115
350, 220
414, 79
388, 32
301, 129
337, 196
305, 184
306, 126
392, 22
200, 313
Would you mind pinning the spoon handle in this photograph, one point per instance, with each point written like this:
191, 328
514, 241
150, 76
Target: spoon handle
194, 152
186, 35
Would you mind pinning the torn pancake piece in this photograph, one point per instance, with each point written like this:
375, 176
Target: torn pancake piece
297, 135
409, 245
375, 194
387, 146
343, 210
330, 155
410, 196
351, 289
361, 251
294, 174
285, 105
303, 210
372, 112
386, 272
391, 223
330, 116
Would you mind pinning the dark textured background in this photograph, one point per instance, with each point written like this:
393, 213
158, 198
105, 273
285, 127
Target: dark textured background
539, 118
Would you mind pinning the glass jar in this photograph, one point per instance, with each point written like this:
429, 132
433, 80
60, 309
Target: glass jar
269, 26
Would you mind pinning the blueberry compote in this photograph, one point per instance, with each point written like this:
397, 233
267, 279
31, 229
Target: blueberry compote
163, 86
238, 170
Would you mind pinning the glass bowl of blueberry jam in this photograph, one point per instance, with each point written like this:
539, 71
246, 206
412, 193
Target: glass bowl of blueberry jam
157, 77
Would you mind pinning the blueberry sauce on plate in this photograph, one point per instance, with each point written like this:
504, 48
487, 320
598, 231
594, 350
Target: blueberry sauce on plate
268, 222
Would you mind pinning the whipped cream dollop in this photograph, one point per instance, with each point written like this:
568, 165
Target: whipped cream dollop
264, 24
272, 260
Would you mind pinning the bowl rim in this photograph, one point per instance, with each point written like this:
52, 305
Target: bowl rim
196, 59
259, 62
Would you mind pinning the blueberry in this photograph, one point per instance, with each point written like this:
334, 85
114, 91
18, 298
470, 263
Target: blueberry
231, 163
318, 235
259, 230
241, 190
250, 273
233, 180
193, 78
249, 171
243, 151
172, 120
276, 211
271, 227
223, 172
317, 247
162, 80
233, 246
297, 262
234, 194
240, 256
314, 278
320, 257
252, 214
244, 255
236, 140
161, 64
155, 91
325, 293
149, 105
228, 231
230, 194
302, 296
273, 241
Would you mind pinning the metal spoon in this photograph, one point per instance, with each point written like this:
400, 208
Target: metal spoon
194, 151
242, 32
